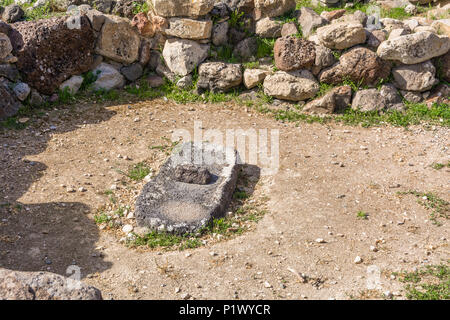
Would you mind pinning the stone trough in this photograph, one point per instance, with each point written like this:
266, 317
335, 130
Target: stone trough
194, 186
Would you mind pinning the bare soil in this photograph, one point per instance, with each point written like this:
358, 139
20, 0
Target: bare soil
328, 173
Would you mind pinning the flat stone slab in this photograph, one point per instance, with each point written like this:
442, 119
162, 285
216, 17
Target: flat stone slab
194, 186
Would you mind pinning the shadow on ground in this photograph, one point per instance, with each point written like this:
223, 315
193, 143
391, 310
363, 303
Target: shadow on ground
44, 236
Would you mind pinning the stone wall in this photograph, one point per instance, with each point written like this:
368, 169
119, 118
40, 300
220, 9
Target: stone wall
390, 60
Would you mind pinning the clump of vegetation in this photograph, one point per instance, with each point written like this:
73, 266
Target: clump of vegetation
265, 47
138, 171
439, 166
429, 283
362, 215
439, 207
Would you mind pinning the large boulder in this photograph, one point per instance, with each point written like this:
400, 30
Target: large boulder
9, 105
118, 40
414, 48
359, 65
50, 51
386, 98
294, 85
292, 53
272, 8
183, 56
341, 35
182, 8
17, 285
336, 100
189, 28
219, 76
193, 187
309, 20
415, 77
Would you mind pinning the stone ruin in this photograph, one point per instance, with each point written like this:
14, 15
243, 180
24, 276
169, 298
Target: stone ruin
176, 37
194, 186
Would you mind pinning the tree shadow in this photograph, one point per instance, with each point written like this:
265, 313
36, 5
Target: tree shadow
47, 236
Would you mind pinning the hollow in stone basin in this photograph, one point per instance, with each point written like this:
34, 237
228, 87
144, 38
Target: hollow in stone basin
178, 199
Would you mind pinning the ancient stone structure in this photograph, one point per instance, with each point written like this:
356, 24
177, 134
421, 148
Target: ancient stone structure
214, 39
194, 186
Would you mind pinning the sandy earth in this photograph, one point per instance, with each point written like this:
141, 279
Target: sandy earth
327, 174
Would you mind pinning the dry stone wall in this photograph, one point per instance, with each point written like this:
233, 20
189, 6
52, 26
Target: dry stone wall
175, 38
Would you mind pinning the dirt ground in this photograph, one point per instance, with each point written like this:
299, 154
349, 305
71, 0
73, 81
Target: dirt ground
327, 174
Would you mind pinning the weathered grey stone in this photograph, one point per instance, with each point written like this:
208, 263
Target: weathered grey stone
341, 35
9, 105
272, 8
219, 76
372, 99
292, 53
181, 8
180, 207
415, 77
324, 58
104, 6
375, 38
155, 81
397, 33
220, 34
253, 77
391, 24
22, 90
309, 20
189, 28
183, 56
337, 99
108, 78
36, 98
72, 84
133, 71
289, 29
412, 96
118, 41
12, 13
16, 285
96, 19
5, 46
10, 72
186, 82
294, 85
246, 49
246, 6
268, 28
414, 48
359, 65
